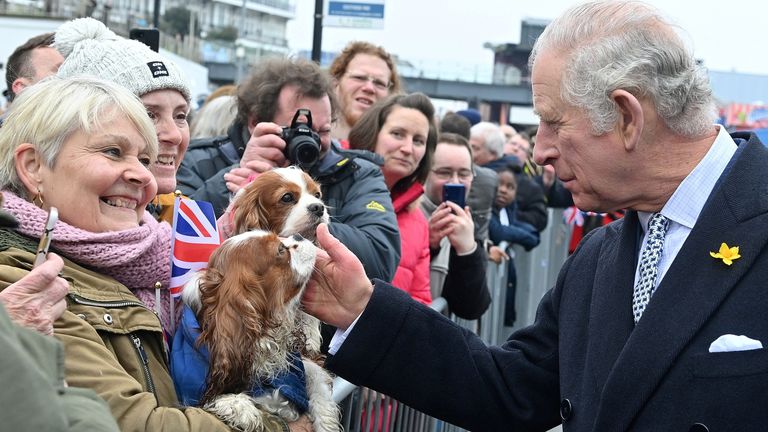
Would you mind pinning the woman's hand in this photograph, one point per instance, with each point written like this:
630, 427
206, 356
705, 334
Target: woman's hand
37, 299
339, 289
238, 177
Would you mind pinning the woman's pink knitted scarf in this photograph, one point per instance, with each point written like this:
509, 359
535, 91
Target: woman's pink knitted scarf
137, 257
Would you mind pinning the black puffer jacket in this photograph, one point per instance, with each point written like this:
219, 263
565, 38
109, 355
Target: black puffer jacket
362, 216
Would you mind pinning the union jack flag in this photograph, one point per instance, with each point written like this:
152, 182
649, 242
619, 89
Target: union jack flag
195, 237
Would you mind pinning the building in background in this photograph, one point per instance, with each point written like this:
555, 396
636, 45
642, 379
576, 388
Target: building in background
228, 36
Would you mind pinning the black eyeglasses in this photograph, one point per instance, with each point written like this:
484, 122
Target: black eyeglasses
448, 173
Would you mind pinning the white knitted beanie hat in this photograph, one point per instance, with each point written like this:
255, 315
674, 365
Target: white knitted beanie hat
89, 47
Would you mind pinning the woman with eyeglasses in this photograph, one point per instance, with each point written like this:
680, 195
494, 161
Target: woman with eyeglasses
363, 74
402, 131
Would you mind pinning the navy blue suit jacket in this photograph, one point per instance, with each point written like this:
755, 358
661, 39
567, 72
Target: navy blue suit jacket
583, 358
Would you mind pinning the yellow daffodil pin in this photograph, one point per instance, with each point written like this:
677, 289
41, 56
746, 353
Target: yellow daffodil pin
727, 254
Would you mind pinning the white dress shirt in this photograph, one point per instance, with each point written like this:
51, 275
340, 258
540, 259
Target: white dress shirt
685, 205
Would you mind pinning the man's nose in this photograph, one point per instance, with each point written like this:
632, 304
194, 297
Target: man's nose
544, 153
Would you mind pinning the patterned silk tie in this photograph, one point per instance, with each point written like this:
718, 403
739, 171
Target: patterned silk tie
649, 264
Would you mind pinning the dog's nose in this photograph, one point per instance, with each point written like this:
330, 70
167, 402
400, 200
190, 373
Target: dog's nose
298, 237
316, 209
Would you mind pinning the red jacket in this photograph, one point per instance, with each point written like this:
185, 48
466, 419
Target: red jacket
412, 275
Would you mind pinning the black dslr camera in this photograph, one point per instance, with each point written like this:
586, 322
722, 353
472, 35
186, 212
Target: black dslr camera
302, 144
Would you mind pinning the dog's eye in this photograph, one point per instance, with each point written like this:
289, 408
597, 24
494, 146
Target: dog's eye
287, 198
317, 195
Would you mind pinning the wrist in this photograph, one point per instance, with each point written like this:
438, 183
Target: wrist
353, 312
467, 250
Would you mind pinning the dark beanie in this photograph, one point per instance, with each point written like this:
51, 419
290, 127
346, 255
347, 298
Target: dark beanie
472, 115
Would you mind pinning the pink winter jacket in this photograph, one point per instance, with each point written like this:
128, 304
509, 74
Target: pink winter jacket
412, 275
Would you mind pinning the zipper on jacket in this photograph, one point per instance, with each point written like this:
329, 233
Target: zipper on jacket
136, 341
84, 301
144, 362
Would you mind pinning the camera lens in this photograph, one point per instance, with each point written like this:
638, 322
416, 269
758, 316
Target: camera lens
306, 154
303, 151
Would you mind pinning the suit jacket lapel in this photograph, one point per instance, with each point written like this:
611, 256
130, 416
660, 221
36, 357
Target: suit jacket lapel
610, 321
692, 289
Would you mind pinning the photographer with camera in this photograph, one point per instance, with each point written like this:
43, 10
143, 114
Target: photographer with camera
285, 108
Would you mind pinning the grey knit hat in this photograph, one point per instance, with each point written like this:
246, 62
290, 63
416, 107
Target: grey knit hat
89, 47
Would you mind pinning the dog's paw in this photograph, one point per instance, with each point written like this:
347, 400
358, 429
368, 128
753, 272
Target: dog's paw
323, 411
238, 411
311, 328
275, 403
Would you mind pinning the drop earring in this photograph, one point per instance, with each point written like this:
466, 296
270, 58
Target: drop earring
38, 199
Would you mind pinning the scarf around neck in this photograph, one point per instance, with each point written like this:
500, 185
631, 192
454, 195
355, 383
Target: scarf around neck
137, 257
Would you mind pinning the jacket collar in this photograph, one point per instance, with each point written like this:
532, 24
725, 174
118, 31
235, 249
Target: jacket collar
402, 200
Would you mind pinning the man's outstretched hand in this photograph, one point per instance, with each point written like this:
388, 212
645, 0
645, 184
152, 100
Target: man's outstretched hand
339, 289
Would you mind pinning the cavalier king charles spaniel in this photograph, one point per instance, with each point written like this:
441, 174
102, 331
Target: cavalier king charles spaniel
244, 312
285, 201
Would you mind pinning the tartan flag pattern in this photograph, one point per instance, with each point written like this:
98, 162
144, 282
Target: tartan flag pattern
195, 237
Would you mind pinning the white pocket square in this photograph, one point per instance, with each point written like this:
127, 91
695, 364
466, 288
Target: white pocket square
731, 342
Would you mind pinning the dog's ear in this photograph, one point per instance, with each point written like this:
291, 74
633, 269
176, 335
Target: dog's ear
238, 210
251, 209
262, 213
227, 325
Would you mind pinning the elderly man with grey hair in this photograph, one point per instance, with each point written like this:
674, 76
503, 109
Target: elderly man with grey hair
657, 321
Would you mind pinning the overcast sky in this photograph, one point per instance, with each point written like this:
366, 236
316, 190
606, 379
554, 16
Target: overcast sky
728, 35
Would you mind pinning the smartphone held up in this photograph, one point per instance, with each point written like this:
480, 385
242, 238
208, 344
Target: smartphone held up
455, 192
148, 36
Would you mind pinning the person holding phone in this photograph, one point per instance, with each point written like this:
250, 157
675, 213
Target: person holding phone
457, 266
113, 251
401, 130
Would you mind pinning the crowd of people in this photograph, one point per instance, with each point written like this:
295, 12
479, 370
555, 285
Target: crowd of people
99, 128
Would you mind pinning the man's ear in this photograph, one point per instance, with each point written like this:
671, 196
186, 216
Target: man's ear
251, 124
20, 84
631, 118
28, 167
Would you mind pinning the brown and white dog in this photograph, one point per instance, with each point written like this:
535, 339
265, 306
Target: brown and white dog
285, 201
247, 303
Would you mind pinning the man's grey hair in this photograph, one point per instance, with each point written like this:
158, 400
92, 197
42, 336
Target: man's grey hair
492, 135
611, 45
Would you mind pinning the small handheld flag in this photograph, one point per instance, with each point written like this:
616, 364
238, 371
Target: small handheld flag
195, 237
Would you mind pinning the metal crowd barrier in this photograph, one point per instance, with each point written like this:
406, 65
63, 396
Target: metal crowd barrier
364, 410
